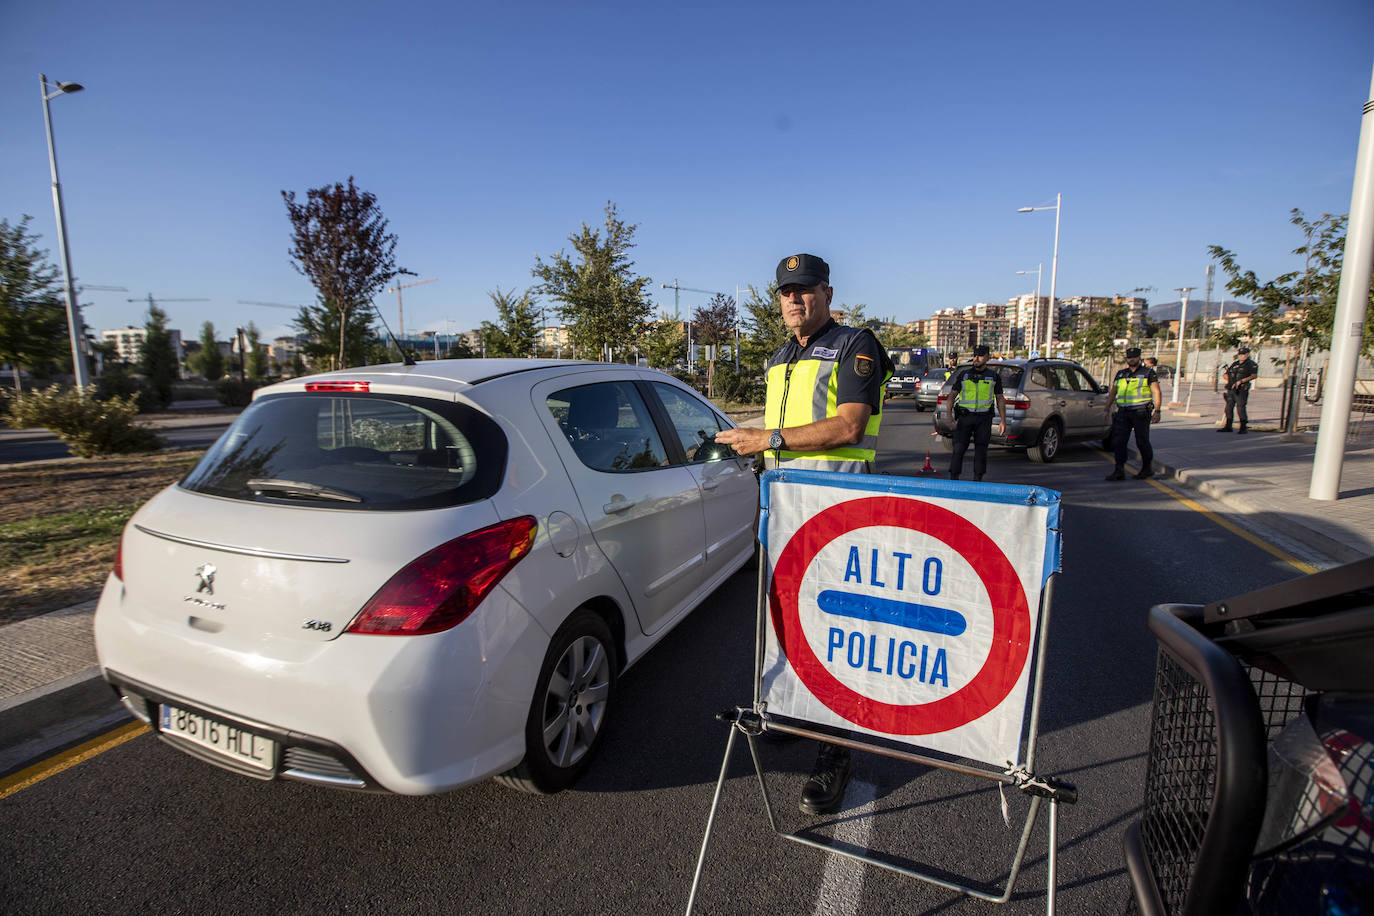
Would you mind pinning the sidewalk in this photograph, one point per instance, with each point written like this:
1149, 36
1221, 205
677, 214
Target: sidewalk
1258, 475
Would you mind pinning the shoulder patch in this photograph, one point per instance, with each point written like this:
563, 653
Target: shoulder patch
863, 366
824, 353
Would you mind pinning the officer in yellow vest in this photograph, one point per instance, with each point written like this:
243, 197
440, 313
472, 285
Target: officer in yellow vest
975, 391
1136, 395
824, 403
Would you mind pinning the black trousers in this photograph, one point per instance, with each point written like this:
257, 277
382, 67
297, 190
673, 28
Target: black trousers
1235, 403
975, 426
1123, 422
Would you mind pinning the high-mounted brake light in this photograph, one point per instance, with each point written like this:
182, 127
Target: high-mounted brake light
337, 386
440, 589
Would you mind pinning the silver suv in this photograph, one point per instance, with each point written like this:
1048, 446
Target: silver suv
1050, 402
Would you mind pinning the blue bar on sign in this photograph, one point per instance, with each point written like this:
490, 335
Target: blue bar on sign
898, 613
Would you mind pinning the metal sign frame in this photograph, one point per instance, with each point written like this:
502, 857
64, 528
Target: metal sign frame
752, 721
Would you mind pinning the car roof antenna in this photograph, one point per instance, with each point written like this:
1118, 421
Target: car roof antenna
405, 357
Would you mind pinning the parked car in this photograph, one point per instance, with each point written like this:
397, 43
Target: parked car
412, 578
1050, 402
928, 394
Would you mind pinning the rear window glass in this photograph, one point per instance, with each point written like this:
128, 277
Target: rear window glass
356, 451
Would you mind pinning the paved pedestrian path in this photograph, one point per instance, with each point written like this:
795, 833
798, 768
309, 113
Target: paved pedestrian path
1261, 474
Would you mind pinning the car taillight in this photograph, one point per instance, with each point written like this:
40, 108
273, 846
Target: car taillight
441, 588
941, 399
1018, 402
118, 569
338, 386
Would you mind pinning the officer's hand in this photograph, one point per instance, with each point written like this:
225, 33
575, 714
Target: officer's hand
1001, 427
1155, 417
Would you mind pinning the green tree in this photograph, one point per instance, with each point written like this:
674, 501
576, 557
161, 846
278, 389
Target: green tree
256, 353
340, 242
892, 334
209, 362
598, 294
157, 357
665, 341
33, 323
762, 327
516, 330
1097, 333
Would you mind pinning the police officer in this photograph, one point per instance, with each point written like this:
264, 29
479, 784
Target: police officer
823, 410
1239, 375
974, 392
1136, 396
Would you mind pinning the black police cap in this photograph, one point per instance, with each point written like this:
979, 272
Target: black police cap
803, 269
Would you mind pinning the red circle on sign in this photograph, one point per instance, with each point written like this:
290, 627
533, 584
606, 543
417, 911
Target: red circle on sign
1010, 615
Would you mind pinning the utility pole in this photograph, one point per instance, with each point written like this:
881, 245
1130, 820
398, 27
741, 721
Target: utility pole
1182, 324
400, 312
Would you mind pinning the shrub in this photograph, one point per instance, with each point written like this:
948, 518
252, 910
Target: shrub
88, 426
119, 382
234, 393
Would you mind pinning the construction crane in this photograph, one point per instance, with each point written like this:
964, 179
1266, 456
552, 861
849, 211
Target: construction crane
676, 288
400, 313
152, 302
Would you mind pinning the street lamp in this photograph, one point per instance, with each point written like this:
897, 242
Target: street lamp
1054, 265
1030, 344
75, 328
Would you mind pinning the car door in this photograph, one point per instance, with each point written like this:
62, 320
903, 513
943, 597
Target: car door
644, 511
1096, 420
729, 489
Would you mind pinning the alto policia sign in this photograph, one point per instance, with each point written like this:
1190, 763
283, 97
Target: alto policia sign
905, 608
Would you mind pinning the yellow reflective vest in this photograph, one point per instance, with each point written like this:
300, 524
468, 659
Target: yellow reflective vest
806, 389
975, 396
1133, 391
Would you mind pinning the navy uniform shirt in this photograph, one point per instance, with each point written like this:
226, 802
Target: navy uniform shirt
864, 364
976, 375
1141, 371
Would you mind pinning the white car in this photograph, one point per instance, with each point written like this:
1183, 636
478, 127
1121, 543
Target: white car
412, 578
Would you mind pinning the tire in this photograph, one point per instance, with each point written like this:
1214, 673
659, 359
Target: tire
1047, 447
920, 408
567, 717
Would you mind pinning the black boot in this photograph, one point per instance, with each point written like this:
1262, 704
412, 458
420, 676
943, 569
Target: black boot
1145, 474
825, 789
1225, 429
1118, 474
1242, 431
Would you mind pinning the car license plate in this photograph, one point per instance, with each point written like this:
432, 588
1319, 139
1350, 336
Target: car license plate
226, 740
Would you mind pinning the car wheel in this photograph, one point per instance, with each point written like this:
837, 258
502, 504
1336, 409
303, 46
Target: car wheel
1047, 447
568, 713
920, 408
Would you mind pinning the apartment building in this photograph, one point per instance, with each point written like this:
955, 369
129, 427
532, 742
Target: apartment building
128, 341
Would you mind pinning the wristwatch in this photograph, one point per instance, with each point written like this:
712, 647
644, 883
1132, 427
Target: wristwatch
775, 441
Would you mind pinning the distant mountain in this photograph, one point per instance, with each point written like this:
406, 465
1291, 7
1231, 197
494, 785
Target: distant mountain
1168, 311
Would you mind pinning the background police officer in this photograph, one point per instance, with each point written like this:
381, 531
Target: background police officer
1136, 395
825, 387
973, 394
1239, 375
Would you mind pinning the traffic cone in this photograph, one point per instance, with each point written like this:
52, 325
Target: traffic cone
928, 469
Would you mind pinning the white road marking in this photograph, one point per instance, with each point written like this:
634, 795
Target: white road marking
842, 883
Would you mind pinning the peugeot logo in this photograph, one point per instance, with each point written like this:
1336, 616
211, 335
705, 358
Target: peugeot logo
206, 574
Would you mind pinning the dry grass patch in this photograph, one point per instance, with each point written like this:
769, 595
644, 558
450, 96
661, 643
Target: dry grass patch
60, 522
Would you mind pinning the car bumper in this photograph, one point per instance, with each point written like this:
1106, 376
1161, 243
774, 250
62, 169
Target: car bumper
407, 714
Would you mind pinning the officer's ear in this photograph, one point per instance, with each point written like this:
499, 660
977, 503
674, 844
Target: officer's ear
829, 295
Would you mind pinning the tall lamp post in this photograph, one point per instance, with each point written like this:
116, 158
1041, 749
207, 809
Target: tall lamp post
1054, 266
75, 328
1182, 324
1030, 344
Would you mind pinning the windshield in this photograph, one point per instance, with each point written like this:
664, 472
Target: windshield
355, 451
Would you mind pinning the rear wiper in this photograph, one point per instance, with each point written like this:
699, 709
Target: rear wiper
261, 485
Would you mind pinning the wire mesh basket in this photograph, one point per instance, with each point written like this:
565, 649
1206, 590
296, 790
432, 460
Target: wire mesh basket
1258, 790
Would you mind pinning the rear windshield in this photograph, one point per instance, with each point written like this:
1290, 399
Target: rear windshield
355, 451
1010, 375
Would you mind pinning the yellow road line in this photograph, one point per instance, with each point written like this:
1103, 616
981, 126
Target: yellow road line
1230, 526
67, 759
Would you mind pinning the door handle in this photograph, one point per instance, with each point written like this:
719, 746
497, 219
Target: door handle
619, 505
709, 484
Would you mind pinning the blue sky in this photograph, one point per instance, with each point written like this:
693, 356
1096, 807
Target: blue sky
896, 140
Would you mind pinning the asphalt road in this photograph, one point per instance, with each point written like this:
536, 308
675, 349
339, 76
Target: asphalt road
145, 828
16, 446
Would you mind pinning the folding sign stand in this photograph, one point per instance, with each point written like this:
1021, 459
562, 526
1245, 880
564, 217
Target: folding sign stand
752, 721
